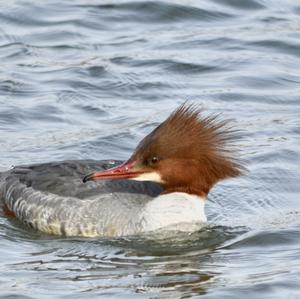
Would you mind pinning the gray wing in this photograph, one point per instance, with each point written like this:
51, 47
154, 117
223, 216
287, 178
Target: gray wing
65, 179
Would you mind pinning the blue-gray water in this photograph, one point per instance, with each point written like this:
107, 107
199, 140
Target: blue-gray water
88, 79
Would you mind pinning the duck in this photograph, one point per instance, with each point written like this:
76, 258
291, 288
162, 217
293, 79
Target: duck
163, 186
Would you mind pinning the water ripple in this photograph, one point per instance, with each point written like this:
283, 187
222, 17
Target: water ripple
88, 79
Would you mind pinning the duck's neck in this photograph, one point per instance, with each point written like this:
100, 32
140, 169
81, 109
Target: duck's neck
191, 190
172, 209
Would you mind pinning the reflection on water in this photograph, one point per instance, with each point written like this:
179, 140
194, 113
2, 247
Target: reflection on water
87, 80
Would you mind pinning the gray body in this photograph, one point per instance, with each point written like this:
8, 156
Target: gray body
52, 198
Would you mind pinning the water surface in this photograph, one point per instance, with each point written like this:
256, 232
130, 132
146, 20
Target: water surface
88, 79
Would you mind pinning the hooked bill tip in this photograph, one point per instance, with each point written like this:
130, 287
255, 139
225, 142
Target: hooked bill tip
87, 178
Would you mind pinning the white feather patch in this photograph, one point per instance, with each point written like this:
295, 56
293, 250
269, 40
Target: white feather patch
173, 210
149, 176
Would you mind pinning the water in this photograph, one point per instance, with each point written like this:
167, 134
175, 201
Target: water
88, 79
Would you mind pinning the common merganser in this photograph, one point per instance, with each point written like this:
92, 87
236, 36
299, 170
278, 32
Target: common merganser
178, 162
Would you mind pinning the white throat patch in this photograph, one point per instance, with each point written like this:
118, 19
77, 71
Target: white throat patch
149, 176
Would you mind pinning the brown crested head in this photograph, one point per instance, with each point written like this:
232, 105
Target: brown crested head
190, 152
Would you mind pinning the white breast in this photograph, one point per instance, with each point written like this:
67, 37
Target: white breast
175, 211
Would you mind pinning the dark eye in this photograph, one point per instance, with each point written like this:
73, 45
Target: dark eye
154, 160
151, 161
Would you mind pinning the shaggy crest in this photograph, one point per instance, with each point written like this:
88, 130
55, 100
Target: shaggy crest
187, 135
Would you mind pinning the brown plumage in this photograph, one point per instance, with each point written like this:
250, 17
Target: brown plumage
190, 152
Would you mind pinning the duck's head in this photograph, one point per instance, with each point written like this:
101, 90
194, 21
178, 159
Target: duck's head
186, 153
